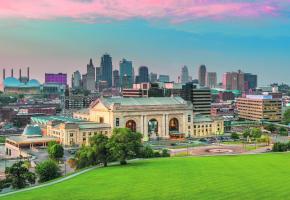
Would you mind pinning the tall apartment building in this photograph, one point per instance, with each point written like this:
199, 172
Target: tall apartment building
200, 98
234, 81
211, 79
260, 107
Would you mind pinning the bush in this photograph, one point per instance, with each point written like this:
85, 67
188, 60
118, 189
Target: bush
47, 170
165, 153
147, 152
235, 136
157, 154
280, 147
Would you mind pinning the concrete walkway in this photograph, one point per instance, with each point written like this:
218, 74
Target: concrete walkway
50, 183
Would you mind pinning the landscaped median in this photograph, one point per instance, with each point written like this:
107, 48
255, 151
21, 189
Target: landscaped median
263, 176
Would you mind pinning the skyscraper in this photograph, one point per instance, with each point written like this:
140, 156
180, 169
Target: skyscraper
163, 78
98, 77
251, 81
126, 73
202, 75
153, 77
90, 77
234, 81
76, 80
211, 79
184, 74
143, 75
106, 69
116, 79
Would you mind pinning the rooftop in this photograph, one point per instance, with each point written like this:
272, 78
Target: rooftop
150, 101
46, 119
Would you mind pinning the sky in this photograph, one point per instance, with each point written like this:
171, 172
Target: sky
225, 35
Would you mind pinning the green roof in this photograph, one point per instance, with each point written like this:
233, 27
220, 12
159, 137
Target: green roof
150, 101
46, 119
93, 125
32, 130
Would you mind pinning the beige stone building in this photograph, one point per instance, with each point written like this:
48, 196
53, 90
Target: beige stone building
207, 126
260, 107
153, 117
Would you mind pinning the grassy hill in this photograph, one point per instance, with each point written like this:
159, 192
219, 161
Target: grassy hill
222, 177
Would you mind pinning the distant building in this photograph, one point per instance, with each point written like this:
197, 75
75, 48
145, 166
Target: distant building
75, 102
260, 107
251, 81
76, 80
200, 98
98, 77
164, 78
90, 77
211, 79
116, 79
184, 74
202, 75
143, 75
126, 73
59, 78
234, 81
153, 77
14, 86
107, 69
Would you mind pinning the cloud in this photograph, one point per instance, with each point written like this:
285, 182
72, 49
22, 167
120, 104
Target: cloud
171, 10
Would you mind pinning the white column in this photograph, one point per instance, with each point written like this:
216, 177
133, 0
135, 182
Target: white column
145, 125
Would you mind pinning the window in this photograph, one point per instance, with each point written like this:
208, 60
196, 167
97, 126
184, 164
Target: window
101, 120
84, 134
117, 122
188, 127
71, 134
188, 118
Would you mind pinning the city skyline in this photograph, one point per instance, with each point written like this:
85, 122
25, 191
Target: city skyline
225, 36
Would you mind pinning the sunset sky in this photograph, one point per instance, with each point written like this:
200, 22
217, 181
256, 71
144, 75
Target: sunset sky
226, 35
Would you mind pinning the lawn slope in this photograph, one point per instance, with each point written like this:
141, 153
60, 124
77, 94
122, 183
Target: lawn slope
222, 177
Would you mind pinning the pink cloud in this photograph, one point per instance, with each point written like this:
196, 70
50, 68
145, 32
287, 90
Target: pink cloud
172, 10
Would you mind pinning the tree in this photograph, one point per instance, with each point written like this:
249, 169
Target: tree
256, 133
271, 128
56, 151
286, 117
125, 144
85, 157
283, 131
47, 170
247, 133
18, 176
280, 147
100, 144
235, 136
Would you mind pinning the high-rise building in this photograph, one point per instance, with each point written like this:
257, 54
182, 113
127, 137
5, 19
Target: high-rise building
116, 79
90, 77
143, 75
107, 69
211, 79
200, 98
98, 78
184, 74
234, 81
153, 77
126, 73
59, 78
260, 107
251, 81
202, 75
76, 80
164, 78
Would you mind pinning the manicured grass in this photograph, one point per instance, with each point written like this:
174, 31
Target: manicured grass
248, 177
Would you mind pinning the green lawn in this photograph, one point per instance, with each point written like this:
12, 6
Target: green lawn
248, 177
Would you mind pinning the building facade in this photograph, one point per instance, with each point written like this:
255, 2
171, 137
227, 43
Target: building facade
260, 107
202, 75
59, 78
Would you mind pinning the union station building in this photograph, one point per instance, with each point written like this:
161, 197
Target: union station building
154, 117
163, 117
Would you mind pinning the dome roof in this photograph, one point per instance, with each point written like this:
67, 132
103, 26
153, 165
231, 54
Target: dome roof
11, 82
33, 83
32, 130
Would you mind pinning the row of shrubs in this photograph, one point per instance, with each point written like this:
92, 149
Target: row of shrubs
148, 152
281, 147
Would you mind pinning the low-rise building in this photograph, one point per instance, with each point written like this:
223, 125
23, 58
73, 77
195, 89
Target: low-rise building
260, 107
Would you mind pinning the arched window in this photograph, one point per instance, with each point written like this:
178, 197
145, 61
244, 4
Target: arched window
131, 124
153, 127
173, 125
